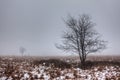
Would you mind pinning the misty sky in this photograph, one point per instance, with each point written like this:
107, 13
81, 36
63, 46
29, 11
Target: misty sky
37, 24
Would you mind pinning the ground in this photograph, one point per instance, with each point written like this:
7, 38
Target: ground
58, 68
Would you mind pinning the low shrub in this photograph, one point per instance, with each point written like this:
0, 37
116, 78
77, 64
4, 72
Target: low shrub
106, 63
90, 64
53, 62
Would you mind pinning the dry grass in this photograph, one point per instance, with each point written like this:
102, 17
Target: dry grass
16, 67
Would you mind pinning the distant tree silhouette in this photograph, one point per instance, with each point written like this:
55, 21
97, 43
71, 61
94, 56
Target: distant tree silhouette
81, 38
22, 50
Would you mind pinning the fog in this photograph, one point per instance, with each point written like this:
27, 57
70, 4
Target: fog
37, 25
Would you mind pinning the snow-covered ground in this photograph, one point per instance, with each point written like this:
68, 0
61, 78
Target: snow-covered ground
13, 69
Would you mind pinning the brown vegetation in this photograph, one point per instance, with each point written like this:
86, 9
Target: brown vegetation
16, 68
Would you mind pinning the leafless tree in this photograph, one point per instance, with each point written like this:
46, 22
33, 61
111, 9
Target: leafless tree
81, 38
22, 50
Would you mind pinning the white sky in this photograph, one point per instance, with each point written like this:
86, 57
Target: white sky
37, 24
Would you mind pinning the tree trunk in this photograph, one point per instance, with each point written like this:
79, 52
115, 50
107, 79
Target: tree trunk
83, 63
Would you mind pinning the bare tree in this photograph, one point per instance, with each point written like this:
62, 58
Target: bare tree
81, 38
22, 50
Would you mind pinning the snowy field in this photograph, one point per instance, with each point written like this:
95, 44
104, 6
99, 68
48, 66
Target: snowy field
17, 68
